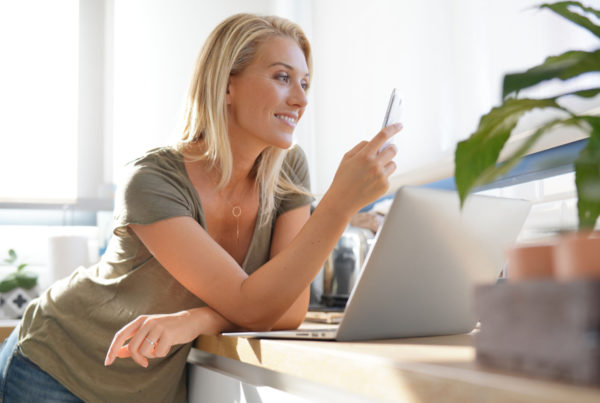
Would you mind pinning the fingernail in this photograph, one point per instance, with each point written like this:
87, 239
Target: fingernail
398, 125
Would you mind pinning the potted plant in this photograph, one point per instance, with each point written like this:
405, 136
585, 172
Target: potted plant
17, 288
477, 158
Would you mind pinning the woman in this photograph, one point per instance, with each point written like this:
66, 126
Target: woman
211, 235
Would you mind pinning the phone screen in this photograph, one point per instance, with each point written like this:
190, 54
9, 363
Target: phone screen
394, 109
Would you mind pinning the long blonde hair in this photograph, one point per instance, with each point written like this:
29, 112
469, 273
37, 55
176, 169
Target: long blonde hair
229, 49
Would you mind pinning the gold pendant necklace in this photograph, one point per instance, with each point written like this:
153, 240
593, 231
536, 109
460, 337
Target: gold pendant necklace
237, 212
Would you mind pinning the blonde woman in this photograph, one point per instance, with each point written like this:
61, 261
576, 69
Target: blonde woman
213, 234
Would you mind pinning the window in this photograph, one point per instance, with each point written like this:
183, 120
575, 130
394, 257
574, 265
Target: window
39, 100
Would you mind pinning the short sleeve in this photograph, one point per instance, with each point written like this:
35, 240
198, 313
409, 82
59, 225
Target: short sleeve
295, 166
153, 190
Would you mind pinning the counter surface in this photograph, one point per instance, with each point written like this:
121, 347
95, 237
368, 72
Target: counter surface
412, 369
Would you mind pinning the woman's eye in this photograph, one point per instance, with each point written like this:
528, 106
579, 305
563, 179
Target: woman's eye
304, 85
283, 77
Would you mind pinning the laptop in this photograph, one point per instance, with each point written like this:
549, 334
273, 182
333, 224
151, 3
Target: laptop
419, 275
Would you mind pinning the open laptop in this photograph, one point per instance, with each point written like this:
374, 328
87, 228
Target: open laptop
418, 277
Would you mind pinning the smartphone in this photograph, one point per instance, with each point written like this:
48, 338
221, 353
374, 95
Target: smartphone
394, 109
393, 113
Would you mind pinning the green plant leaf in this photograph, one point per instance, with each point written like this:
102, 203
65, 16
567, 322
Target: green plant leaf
568, 65
12, 256
26, 279
497, 170
587, 176
22, 266
589, 93
9, 283
565, 9
479, 153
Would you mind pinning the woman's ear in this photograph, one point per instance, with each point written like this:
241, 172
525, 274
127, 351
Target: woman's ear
228, 94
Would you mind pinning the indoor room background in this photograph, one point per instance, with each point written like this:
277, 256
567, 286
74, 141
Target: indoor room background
88, 85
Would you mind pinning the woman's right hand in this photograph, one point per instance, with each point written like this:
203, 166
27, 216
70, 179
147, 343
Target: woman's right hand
152, 336
363, 174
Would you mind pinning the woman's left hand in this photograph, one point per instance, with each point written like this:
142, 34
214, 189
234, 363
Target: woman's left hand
152, 336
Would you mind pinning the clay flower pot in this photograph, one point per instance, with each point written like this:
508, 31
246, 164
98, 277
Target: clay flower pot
528, 262
577, 256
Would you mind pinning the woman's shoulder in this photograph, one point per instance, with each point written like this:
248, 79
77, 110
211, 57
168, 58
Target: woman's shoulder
295, 155
161, 156
159, 167
295, 165
295, 161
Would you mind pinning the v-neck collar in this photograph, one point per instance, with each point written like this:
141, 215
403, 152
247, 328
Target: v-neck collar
194, 192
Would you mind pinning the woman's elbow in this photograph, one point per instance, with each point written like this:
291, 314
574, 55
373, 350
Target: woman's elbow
262, 324
255, 323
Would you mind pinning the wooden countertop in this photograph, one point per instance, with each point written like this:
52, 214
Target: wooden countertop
6, 327
413, 369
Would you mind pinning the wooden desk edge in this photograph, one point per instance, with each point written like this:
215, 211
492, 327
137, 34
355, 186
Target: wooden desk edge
442, 368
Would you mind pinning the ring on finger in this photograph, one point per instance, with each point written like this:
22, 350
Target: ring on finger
153, 343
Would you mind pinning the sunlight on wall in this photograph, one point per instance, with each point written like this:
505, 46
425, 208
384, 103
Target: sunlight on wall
447, 58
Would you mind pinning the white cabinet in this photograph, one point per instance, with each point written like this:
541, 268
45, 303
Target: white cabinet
206, 385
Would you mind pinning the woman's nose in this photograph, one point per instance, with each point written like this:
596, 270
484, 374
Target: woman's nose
298, 96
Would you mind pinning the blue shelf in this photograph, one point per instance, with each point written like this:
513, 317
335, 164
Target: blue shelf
544, 164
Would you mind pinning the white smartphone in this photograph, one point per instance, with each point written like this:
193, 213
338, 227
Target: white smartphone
394, 109
393, 113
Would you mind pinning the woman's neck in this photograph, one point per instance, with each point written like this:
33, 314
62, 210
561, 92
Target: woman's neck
241, 174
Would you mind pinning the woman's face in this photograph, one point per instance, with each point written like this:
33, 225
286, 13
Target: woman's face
267, 99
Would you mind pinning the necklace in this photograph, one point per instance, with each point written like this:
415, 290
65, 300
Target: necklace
236, 211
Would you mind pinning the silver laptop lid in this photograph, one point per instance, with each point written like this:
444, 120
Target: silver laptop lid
418, 278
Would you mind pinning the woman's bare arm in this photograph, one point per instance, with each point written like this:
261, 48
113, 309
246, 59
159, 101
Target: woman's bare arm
287, 226
258, 301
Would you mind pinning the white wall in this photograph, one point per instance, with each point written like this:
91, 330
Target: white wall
447, 58
155, 45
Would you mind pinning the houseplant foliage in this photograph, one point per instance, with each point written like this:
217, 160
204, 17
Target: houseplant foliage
476, 159
19, 278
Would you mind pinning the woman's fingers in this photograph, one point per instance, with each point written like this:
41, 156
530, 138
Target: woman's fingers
356, 148
162, 347
150, 343
142, 344
150, 336
389, 168
120, 338
380, 138
124, 352
388, 153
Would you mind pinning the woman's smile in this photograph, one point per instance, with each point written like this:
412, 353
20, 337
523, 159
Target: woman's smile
290, 120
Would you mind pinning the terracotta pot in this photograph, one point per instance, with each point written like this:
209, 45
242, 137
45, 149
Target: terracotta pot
577, 256
527, 262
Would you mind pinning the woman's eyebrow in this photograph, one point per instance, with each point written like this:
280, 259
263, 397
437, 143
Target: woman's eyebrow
287, 66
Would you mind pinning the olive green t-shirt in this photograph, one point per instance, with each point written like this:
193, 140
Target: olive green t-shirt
68, 329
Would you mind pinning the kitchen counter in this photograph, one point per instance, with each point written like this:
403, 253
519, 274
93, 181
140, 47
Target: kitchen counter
6, 327
413, 369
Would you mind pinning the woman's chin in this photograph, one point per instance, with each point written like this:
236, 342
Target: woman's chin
284, 142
